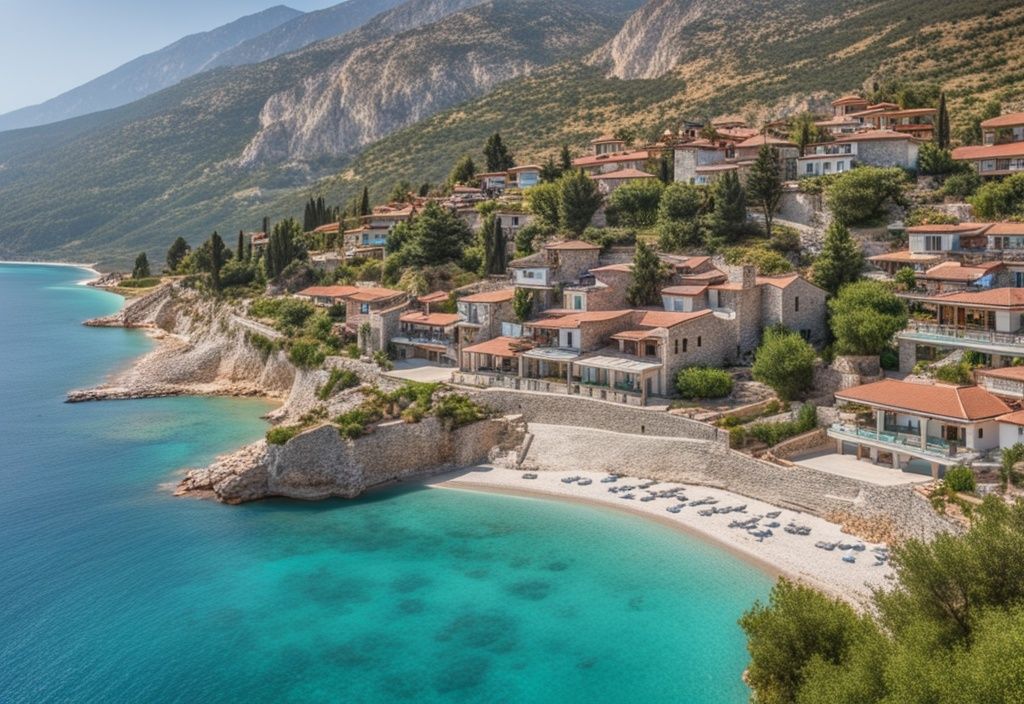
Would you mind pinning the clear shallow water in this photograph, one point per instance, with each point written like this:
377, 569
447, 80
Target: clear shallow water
112, 591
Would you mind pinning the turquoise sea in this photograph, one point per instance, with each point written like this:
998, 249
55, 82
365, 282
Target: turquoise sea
111, 590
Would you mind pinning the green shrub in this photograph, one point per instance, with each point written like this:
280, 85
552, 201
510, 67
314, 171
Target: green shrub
457, 410
785, 239
352, 350
383, 361
960, 478
785, 362
960, 373
737, 437
930, 216
859, 196
772, 434
147, 282
768, 262
339, 380
282, 434
962, 185
306, 353
703, 382
265, 345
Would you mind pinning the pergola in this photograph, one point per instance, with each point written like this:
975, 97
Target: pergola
620, 373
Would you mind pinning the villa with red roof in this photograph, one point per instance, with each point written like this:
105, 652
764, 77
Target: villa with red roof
880, 147
905, 423
327, 295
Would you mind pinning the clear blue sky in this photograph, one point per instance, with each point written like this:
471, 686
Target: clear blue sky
50, 46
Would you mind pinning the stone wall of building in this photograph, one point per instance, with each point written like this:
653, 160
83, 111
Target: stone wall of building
803, 209
574, 263
887, 152
780, 306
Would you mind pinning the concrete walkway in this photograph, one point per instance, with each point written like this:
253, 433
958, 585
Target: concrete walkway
420, 370
862, 470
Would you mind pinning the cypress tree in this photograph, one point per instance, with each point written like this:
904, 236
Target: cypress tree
177, 251
579, 199
565, 158
307, 217
648, 274
841, 260
765, 183
942, 128
729, 217
500, 248
141, 269
665, 169
240, 250
266, 226
364, 204
498, 156
217, 258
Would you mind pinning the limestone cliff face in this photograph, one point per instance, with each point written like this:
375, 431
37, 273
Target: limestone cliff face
203, 350
373, 88
319, 463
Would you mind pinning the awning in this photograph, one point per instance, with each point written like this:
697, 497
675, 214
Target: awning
619, 364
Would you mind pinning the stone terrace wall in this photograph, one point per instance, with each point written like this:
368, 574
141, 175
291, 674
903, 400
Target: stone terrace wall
555, 409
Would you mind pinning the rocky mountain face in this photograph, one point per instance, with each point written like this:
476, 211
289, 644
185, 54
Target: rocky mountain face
304, 30
150, 73
375, 88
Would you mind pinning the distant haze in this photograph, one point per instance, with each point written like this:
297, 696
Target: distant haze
50, 46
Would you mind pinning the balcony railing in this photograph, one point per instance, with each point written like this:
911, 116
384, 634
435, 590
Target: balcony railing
902, 441
955, 332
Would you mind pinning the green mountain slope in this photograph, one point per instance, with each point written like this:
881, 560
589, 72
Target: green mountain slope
172, 164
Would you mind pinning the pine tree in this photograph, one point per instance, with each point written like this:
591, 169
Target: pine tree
765, 183
549, 171
495, 248
463, 172
522, 304
141, 269
240, 250
307, 217
217, 258
498, 156
942, 126
579, 199
266, 226
648, 275
729, 215
666, 170
364, 204
841, 260
565, 159
177, 251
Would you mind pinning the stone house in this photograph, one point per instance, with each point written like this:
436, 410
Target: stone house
482, 315
556, 265
615, 161
326, 296
368, 305
880, 148
429, 336
608, 182
524, 176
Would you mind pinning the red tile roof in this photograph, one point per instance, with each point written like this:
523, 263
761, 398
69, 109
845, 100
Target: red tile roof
634, 335
1015, 418
440, 320
995, 151
962, 227
1013, 373
955, 271
1011, 119
499, 347
904, 256
524, 167
777, 281
875, 135
967, 403
372, 294
433, 297
761, 139
669, 319
328, 291
573, 320
329, 227
993, 298
624, 174
843, 100
500, 296
684, 290
616, 158
625, 268
1006, 228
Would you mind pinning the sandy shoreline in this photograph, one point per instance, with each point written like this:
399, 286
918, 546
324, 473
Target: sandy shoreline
781, 554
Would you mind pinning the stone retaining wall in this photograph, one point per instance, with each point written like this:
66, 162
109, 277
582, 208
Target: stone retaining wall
811, 440
555, 409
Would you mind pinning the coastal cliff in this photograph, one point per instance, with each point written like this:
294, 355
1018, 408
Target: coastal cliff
203, 349
320, 464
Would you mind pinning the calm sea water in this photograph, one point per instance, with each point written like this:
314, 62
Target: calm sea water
113, 591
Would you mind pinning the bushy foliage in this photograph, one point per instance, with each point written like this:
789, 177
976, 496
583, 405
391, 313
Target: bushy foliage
728, 219
457, 410
703, 382
864, 317
679, 216
960, 373
636, 202
649, 273
287, 314
859, 196
1000, 200
542, 200
529, 235
841, 260
283, 433
578, 200
764, 183
905, 278
306, 353
960, 478
771, 434
339, 380
767, 261
948, 631
785, 362
933, 160
435, 236
962, 185
929, 216
149, 282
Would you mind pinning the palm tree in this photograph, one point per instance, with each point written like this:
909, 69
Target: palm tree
1008, 472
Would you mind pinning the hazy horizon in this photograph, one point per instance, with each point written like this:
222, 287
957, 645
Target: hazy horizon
52, 46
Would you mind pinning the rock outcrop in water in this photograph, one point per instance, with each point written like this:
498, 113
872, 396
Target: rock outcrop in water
319, 463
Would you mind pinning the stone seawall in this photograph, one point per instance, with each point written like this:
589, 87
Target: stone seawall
320, 464
557, 409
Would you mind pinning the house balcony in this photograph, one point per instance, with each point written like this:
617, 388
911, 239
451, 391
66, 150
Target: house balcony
989, 341
905, 441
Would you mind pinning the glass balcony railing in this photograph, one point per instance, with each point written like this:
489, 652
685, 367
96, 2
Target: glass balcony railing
901, 440
953, 332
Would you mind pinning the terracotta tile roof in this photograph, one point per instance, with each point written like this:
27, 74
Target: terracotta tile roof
624, 174
912, 112
968, 403
634, 335
372, 294
1015, 418
433, 297
955, 271
717, 167
905, 256
712, 275
498, 346
684, 290
625, 268
669, 319
840, 120
575, 319
616, 158
572, 245
777, 281
605, 138
329, 227
1012, 373
499, 296
1006, 228
977, 227
728, 286
995, 151
440, 320
845, 99
328, 291
761, 139
875, 135
1010, 119
492, 173
524, 167
993, 297
530, 260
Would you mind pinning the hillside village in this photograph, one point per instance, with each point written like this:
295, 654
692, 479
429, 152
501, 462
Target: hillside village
858, 262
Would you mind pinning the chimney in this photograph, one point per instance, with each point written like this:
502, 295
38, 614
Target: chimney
748, 276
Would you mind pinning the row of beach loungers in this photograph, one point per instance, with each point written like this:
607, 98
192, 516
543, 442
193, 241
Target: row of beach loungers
759, 526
